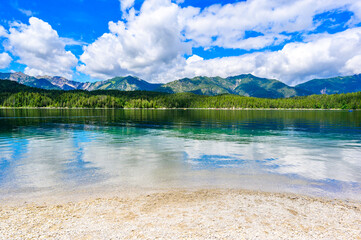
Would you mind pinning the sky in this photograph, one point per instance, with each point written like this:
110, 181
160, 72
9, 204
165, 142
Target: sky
164, 40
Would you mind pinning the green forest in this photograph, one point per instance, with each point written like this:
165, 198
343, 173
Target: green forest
13, 94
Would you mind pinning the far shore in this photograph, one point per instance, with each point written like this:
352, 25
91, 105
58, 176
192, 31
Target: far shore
183, 214
298, 109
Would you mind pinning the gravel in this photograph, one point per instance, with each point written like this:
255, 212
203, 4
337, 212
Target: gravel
184, 214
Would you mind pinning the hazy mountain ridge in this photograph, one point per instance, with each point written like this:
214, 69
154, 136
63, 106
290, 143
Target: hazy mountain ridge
244, 85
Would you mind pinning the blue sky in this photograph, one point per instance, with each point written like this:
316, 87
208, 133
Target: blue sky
163, 40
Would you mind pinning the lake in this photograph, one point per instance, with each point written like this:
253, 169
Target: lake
309, 152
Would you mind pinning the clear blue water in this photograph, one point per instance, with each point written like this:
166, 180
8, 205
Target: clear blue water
310, 152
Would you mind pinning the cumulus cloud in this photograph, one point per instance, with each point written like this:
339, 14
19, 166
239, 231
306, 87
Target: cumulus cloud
324, 55
5, 60
352, 66
226, 26
3, 32
126, 4
39, 47
154, 42
147, 44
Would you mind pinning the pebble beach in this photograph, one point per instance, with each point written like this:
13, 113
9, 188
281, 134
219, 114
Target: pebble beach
183, 214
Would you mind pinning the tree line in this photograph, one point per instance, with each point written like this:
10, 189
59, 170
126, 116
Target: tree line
14, 96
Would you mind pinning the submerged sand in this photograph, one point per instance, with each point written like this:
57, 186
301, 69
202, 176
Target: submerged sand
184, 214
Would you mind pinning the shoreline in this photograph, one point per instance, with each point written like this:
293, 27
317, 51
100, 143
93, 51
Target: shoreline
183, 214
288, 109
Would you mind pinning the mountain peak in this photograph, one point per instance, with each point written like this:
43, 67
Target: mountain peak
19, 73
125, 78
44, 76
243, 84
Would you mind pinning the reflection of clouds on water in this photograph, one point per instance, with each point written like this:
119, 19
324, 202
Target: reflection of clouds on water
42, 165
302, 157
39, 166
155, 154
309, 159
47, 160
12, 151
71, 156
77, 170
143, 160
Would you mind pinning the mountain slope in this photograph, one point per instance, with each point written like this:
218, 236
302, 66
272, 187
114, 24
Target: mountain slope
62, 83
198, 85
128, 83
245, 85
249, 85
29, 81
14, 87
332, 85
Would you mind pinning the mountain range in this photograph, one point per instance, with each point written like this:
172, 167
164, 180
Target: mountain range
245, 85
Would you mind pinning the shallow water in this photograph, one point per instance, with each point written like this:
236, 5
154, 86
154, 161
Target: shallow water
309, 152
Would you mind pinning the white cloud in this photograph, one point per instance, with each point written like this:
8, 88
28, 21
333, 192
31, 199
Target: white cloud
226, 26
325, 55
152, 43
28, 13
3, 32
146, 45
194, 59
39, 47
353, 65
5, 60
355, 7
126, 4
72, 42
256, 42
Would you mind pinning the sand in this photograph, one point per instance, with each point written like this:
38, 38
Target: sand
184, 214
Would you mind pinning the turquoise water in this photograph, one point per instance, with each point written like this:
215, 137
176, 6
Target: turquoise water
309, 152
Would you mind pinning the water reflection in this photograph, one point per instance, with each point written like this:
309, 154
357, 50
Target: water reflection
317, 152
78, 170
12, 153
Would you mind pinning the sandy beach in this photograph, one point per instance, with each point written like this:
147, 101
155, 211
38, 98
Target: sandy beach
183, 214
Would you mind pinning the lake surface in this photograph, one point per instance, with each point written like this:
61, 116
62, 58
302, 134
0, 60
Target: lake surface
309, 152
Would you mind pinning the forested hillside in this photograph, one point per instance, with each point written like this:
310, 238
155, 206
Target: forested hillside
244, 85
13, 94
332, 85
